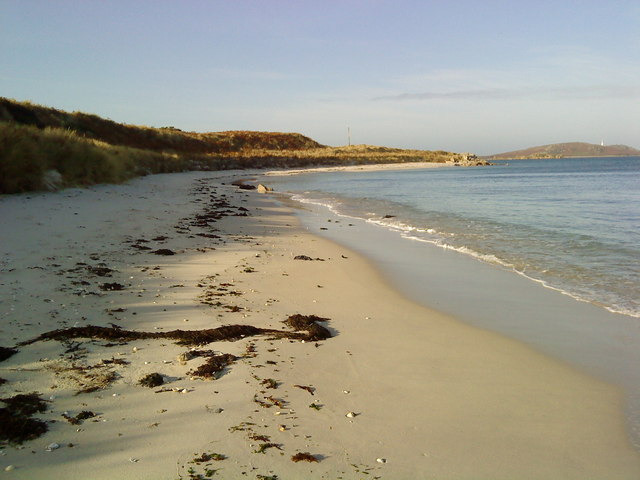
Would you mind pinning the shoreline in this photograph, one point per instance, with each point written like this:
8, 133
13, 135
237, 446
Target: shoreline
359, 168
486, 295
431, 395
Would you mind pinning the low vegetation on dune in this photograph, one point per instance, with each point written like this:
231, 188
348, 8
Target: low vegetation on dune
43, 148
49, 158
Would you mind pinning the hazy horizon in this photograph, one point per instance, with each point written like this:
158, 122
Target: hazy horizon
479, 76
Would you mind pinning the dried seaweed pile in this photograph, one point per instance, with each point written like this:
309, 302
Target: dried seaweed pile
299, 323
16, 424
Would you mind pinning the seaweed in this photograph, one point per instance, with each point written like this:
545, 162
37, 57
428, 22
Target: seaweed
79, 418
208, 457
269, 383
308, 389
213, 365
25, 404
163, 251
151, 380
304, 457
265, 446
297, 322
16, 424
6, 352
309, 323
112, 287
100, 271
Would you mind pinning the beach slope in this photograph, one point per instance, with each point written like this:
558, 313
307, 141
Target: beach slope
398, 391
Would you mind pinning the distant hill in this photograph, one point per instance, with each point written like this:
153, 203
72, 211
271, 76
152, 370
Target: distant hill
572, 149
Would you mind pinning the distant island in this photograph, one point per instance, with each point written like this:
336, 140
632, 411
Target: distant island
42, 148
571, 149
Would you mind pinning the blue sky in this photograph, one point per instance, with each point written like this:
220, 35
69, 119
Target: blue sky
479, 76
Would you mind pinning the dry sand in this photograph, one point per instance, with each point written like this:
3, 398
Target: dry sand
361, 168
431, 398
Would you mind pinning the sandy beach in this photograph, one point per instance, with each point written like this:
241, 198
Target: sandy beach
398, 391
361, 168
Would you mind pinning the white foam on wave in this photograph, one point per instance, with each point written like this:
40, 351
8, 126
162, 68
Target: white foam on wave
405, 230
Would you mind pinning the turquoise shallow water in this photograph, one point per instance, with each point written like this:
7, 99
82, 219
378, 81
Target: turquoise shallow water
570, 224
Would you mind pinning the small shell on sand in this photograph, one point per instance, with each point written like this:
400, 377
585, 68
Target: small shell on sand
381, 460
351, 414
9, 468
52, 446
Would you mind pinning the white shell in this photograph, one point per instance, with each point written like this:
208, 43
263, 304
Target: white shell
8, 468
351, 414
52, 446
381, 460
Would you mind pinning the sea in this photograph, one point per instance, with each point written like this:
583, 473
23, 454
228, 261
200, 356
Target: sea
557, 241
570, 224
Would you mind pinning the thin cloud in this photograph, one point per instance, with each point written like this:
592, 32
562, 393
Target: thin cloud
525, 93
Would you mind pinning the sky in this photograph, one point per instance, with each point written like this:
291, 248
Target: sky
467, 76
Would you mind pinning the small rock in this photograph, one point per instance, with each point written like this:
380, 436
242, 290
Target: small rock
52, 446
351, 415
9, 468
381, 460
134, 460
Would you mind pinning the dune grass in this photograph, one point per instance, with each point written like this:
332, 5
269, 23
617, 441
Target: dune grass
43, 148
27, 153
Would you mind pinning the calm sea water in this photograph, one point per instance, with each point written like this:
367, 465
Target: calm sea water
570, 224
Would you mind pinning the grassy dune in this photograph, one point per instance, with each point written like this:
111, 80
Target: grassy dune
45, 148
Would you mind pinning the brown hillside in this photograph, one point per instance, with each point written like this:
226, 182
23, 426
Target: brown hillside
46, 148
167, 139
572, 149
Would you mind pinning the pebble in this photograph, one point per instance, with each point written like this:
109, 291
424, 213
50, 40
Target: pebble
381, 460
8, 468
134, 460
52, 446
